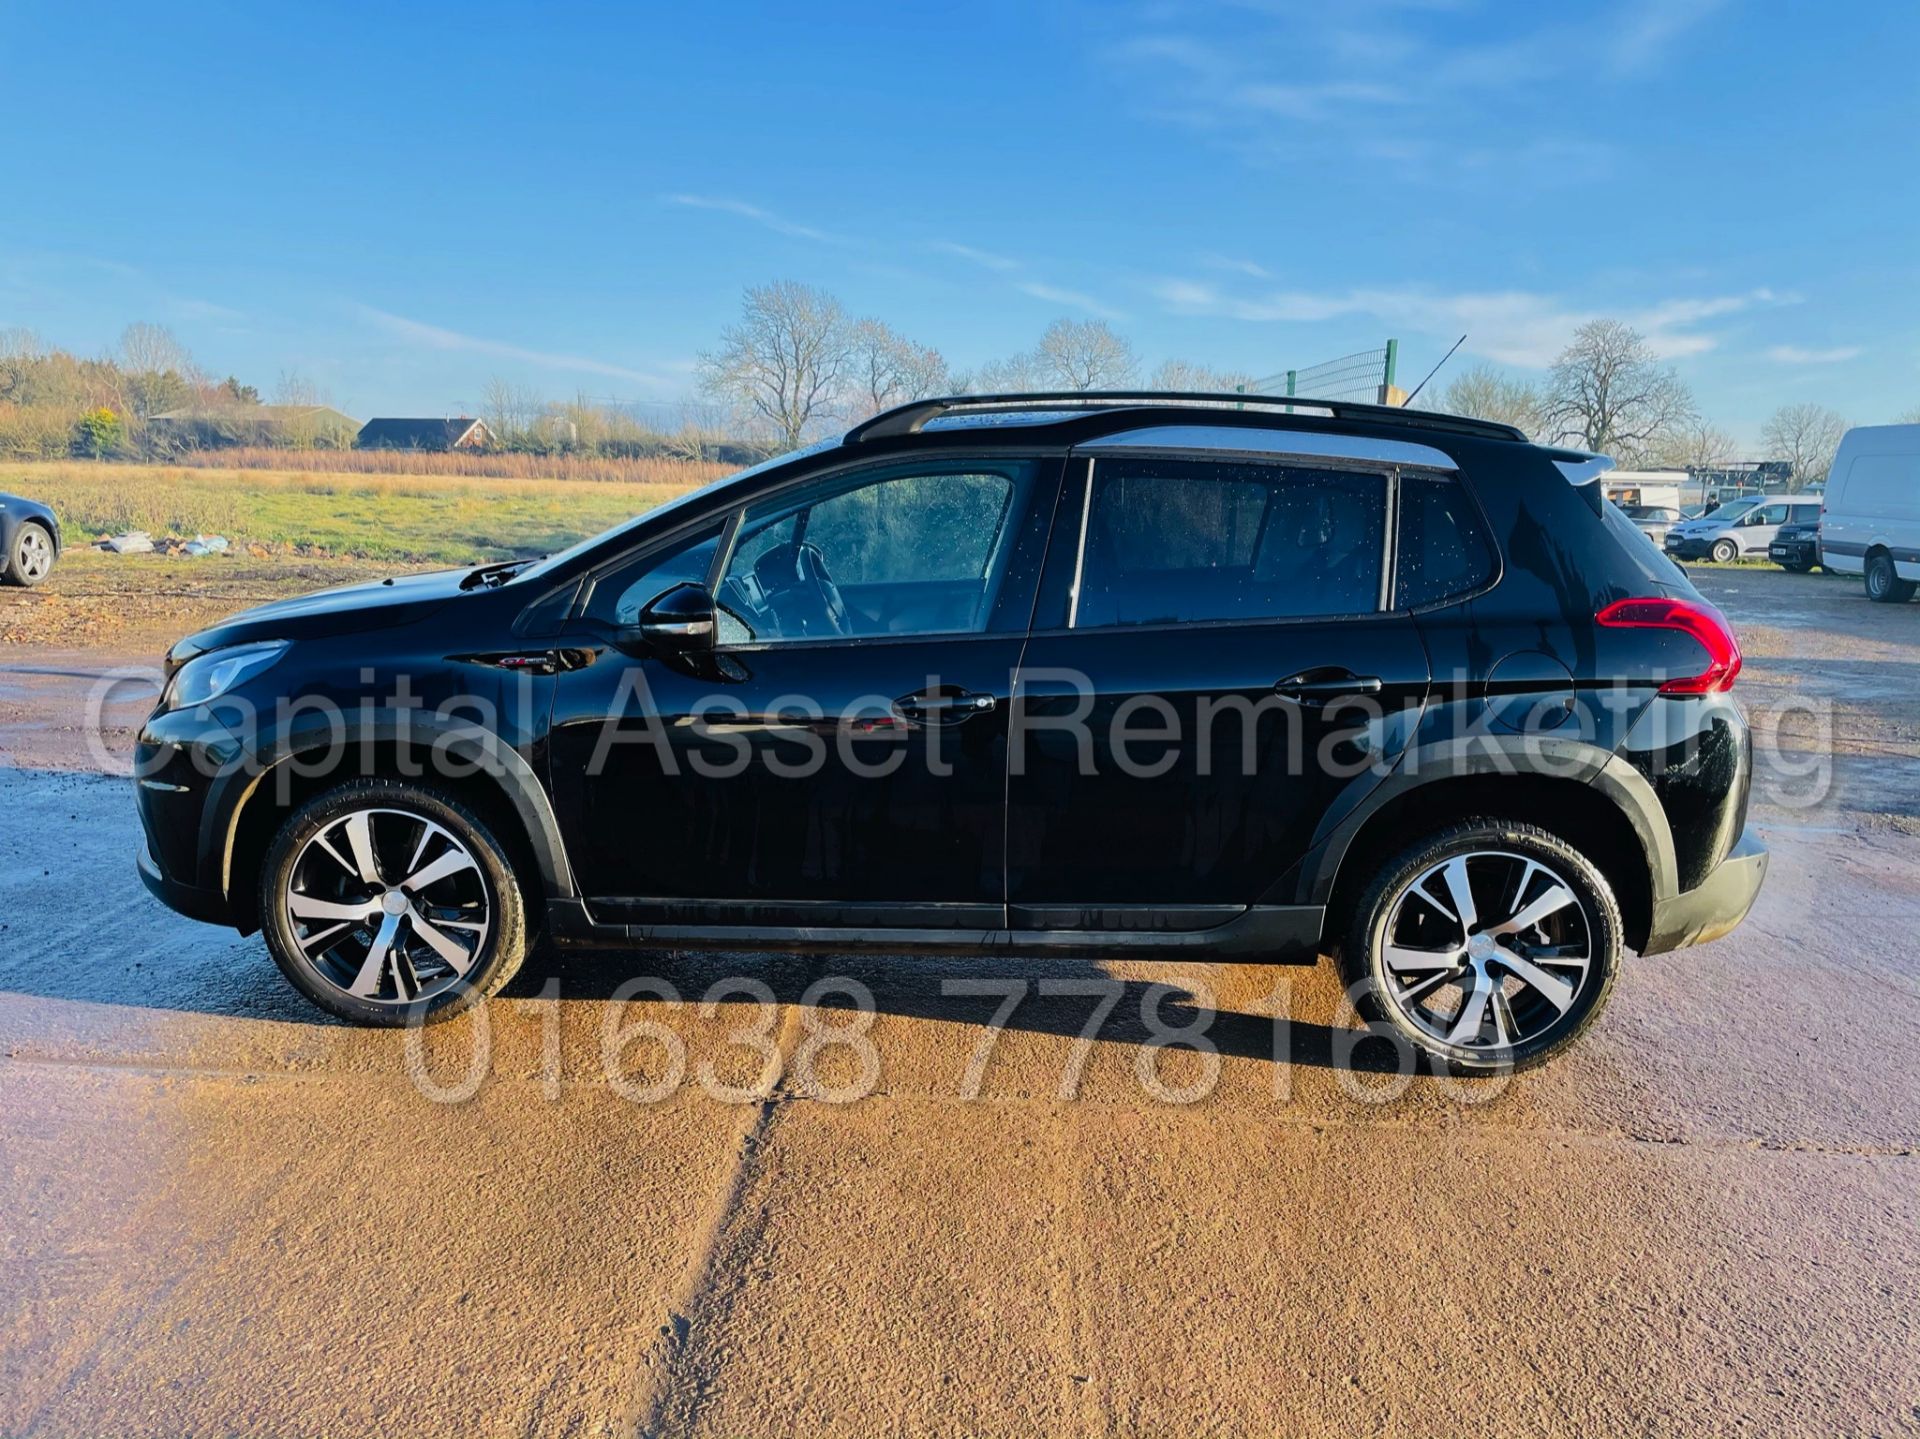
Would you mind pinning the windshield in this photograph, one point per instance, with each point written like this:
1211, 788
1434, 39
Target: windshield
1732, 510
549, 563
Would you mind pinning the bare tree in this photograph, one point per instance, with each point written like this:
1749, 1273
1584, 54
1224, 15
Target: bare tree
1186, 376
1609, 394
786, 360
1017, 374
19, 343
296, 387
1086, 355
1698, 445
887, 369
1484, 393
1911, 417
512, 411
153, 350
1805, 436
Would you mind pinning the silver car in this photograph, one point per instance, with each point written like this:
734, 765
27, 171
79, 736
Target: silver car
1740, 527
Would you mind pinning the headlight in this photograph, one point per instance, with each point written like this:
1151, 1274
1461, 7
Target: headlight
212, 675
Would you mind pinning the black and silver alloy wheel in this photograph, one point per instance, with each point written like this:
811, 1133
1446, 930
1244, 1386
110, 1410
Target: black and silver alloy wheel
32, 558
1489, 946
382, 926
386, 901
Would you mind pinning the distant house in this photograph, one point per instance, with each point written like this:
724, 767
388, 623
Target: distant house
460, 433
212, 427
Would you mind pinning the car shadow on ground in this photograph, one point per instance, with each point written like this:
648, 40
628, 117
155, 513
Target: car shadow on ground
1057, 997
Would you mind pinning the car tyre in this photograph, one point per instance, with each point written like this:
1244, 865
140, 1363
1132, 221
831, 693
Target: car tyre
1884, 583
1725, 551
1546, 997
30, 559
1797, 567
455, 934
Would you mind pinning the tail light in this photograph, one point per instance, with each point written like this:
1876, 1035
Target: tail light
1700, 621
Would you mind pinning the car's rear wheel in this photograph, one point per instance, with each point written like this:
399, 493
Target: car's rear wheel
1490, 945
31, 558
1726, 551
386, 902
1884, 583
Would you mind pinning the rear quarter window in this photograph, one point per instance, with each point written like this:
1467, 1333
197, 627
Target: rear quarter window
1444, 551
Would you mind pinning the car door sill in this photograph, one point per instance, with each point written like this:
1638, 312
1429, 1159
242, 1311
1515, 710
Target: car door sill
1263, 933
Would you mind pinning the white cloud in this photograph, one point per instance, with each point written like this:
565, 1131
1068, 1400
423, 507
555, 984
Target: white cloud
986, 259
1361, 78
1074, 299
1517, 327
1800, 355
777, 223
433, 337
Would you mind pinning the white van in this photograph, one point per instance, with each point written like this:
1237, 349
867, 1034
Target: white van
1872, 523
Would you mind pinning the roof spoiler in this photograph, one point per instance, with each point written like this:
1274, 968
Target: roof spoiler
1583, 472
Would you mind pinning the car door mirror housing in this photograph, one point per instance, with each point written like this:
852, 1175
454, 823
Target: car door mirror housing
677, 621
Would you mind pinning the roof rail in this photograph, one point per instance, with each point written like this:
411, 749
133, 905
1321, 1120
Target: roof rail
913, 417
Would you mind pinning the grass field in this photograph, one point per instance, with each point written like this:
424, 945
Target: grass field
400, 519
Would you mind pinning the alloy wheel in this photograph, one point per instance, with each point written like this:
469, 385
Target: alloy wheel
388, 906
33, 554
1486, 951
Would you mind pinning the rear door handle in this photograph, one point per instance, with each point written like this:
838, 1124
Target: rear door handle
1313, 685
944, 707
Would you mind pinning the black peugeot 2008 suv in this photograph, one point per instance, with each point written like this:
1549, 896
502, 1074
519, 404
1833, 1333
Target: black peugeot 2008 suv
1087, 675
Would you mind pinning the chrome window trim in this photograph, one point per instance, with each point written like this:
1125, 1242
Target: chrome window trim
1584, 472
1303, 444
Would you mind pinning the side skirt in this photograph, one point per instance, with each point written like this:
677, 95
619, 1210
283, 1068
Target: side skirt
1267, 934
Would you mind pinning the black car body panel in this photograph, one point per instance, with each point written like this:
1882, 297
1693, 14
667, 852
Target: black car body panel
17, 510
1005, 843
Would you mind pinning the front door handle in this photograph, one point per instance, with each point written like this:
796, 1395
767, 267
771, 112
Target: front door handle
943, 706
1312, 686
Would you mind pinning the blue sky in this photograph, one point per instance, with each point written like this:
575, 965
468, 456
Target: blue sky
403, 200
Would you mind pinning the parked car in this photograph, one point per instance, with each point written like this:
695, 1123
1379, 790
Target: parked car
29, 541
1653, 520
1872, 522
1739, 528
1347, 631
1797, 546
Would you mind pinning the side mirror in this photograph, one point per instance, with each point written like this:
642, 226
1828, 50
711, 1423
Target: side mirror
679, 621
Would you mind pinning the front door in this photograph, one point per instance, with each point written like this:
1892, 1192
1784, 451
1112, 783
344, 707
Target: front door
839, 758
1223, 671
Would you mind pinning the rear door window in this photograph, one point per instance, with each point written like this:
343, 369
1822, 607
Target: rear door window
1169, 541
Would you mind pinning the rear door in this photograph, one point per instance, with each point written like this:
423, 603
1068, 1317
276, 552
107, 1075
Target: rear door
1213, 666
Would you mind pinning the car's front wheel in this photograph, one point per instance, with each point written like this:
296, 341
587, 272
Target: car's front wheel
1726, 551
1884, 583
386, 902
1490, 945
30, 559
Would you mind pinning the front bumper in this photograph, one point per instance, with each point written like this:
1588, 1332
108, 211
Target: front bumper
1716, 905
207, 905
1686, 548
1794, 552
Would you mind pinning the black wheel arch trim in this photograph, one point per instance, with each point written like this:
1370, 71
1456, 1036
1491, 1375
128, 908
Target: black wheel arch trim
1311, 879
481, 752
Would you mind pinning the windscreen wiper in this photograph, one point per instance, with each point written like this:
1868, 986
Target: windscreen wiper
488, 576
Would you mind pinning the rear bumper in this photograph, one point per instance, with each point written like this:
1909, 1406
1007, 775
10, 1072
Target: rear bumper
1716, 905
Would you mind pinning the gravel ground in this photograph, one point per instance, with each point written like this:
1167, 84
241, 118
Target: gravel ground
221, 1214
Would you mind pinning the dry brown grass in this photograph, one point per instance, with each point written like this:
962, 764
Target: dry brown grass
402, 518
464, 464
